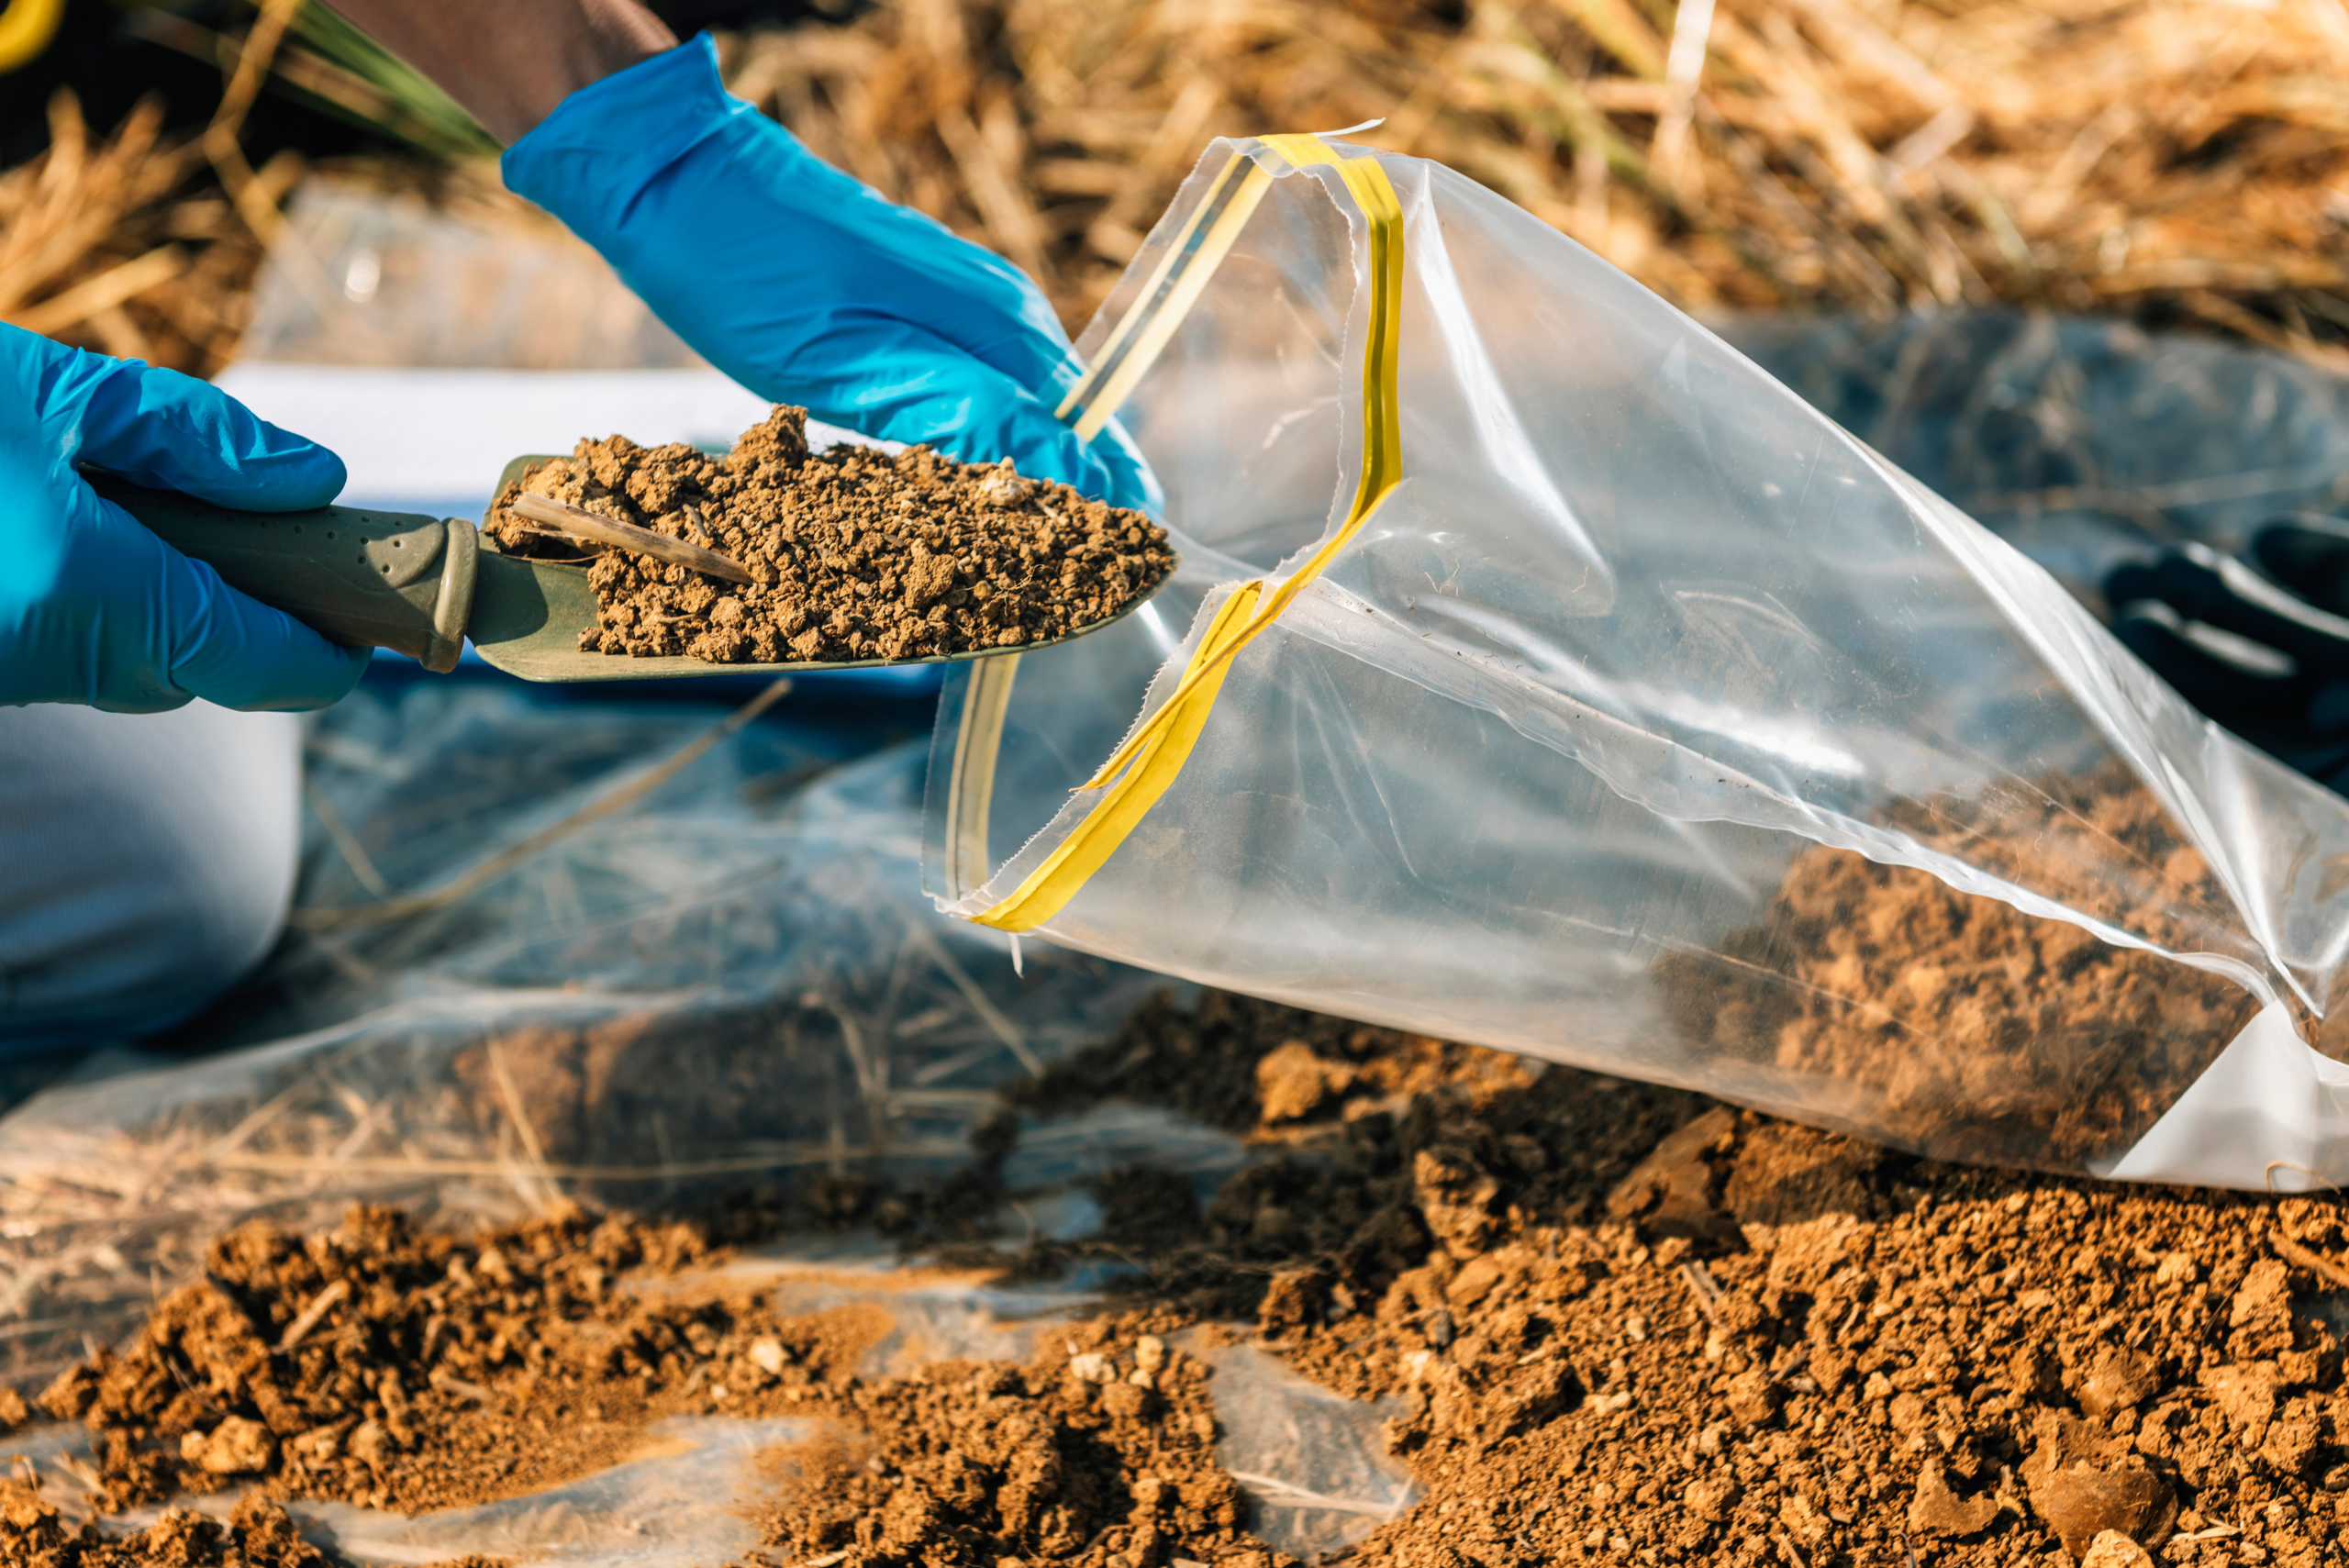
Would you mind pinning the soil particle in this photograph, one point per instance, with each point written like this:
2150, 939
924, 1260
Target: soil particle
2110, 1549
858, 554
1099, 1453
408, 1369
257, 1535
1963, 1025
1632, 1325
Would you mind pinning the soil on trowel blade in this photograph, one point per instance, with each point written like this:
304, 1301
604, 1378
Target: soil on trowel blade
1961, 1025
858, 554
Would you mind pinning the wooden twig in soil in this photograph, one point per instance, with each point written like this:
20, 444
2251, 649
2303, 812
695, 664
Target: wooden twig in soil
563, 520
1705, 1288
2293, 1252
320, 1305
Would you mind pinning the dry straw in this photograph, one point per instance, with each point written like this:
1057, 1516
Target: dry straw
2171, 160
112, 244
2166, 157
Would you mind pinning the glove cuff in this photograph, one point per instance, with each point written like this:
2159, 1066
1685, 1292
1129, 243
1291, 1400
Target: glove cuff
613, 136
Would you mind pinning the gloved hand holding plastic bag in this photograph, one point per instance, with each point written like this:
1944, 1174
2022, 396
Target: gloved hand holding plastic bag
1542, 675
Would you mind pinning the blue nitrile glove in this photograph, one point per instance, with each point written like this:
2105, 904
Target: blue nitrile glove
807, 286
95, 609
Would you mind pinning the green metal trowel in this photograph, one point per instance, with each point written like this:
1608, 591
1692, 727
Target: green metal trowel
421, 585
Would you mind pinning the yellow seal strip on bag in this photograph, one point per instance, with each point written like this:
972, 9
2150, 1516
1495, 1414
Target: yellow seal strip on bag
1181, 277
1143, 767
26, 27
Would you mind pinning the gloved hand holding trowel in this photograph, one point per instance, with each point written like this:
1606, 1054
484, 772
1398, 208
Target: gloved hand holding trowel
801, 283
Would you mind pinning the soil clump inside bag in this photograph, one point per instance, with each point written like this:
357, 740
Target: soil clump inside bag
858, 554
1974, 1027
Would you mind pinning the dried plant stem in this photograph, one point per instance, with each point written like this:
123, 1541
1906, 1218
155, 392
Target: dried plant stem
566, 521
497, 865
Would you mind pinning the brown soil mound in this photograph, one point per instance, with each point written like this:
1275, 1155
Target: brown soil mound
1782, 1344
1628, 1324
257, 1535
858, 554
1099, 1454
1962, 1025
1765, 1343
413, 1371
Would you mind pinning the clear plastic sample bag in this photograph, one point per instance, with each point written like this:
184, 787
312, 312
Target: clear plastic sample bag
1542, 673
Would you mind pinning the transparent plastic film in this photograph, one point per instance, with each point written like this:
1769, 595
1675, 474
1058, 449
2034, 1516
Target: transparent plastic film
1542, 673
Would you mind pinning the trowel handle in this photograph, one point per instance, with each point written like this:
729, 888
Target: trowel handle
396, 580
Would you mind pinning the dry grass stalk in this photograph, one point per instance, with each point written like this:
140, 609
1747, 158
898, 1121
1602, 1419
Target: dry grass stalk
2183, 160
2179, 161
114, 245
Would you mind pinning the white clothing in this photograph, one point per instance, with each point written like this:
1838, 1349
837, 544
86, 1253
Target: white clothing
146, 861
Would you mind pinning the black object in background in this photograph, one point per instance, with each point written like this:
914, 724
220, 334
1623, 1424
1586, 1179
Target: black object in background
2268, 656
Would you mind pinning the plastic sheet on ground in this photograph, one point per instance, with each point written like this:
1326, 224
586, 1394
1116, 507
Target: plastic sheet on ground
735, 981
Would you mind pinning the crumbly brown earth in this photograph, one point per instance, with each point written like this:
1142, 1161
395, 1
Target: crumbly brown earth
858, 554
432, 1370
409, 1370
1629, 1325
1098, 1453
1961, 1024
1765, 1344
257, 1535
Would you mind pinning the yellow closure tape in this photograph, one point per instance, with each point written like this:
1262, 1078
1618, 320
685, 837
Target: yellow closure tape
26, 27
1051, 885
1182, 275
1132, 780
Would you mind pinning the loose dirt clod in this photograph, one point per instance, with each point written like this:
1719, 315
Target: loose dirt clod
1627, 1325
257, 1535
858, 554
1099, 1453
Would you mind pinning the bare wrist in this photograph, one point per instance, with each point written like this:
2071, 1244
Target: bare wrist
511, 63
